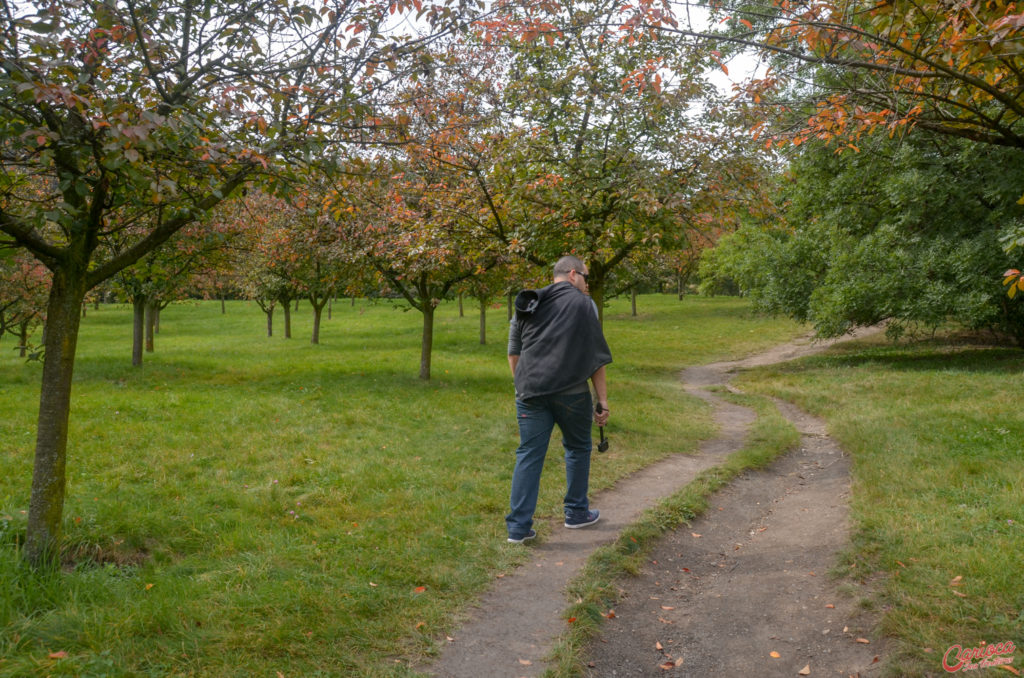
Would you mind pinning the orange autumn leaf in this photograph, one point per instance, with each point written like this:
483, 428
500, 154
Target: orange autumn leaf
774, 655
419, 589
864, 640
58, 655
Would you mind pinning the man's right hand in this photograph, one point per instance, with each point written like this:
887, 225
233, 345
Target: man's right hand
601, 413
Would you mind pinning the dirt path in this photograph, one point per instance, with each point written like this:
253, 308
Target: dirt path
752, 584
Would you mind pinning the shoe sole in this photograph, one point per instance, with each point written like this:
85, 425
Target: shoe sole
524, 539
576, 526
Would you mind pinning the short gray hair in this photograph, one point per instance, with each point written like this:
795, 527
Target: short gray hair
566, 264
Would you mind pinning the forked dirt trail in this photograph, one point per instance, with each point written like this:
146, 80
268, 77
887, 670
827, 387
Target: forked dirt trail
751, 586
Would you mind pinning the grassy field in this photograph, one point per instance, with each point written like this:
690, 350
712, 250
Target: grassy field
244, 505
935, 432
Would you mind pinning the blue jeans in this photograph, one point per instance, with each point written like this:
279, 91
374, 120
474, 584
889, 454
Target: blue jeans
537, 417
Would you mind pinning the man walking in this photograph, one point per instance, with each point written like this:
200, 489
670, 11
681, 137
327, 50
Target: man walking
555, 346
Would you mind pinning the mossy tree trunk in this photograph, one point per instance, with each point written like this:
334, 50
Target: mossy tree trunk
46, 504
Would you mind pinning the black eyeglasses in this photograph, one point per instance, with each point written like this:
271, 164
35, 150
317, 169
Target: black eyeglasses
583, 275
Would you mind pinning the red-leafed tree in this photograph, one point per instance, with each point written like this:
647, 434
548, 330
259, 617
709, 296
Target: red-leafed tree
23, 285
419, 229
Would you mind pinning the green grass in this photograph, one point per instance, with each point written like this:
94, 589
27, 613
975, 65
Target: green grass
934, 429
243, 505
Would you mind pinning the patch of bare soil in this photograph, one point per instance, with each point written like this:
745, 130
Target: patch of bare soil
753, 585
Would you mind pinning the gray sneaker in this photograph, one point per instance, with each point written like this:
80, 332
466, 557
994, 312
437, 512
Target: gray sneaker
526, 537
575, 519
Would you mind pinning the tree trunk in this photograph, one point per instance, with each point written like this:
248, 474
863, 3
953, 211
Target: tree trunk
633, 299
483, 321
511, 301
462, 313
46, 505
427, 345
318, 311
223, 306
138, 329
268, 309
150, 319
330, 308
287, 306
23, 338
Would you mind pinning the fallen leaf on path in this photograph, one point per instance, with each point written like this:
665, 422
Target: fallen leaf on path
665, 621
805, 671
864, 640
774, 655
830, 606
956, 580
658, 646
526, 662
667, 607
609, 615
695, 535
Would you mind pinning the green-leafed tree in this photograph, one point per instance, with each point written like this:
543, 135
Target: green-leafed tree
616, 136
906, 231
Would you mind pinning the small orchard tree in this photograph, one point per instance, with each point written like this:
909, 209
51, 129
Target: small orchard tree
23, 285
606, 152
